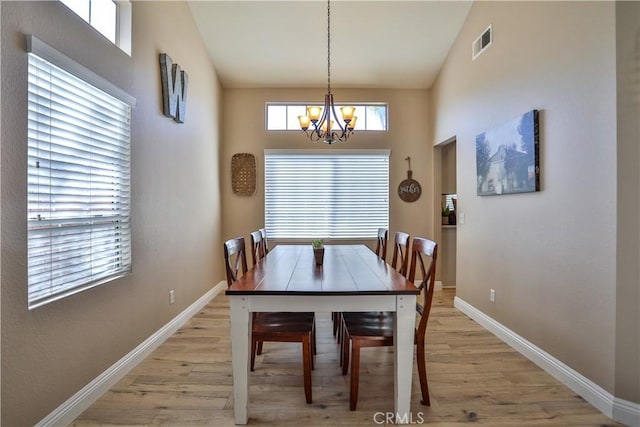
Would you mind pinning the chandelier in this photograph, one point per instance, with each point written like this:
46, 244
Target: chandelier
321, 123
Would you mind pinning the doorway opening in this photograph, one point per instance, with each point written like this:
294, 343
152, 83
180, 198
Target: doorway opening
447, 203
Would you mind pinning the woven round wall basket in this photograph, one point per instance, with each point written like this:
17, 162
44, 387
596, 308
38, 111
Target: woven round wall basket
243, 174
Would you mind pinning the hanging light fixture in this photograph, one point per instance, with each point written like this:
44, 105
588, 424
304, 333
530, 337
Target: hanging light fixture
320, 123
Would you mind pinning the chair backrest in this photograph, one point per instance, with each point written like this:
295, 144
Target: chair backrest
381, 245
257, 247
235, 256
265, 243
424, 254
401, 253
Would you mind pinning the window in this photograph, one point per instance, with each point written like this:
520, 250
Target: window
447, 201
331, 195
371, 117
78, 178
111, 18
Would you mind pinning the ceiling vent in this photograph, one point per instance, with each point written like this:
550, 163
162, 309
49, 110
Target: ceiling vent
480, 44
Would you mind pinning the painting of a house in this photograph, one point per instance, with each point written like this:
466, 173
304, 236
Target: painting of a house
507, 157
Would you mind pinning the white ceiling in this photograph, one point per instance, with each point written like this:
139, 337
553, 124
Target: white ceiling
374, 44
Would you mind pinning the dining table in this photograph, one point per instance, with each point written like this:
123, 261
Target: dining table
350, 278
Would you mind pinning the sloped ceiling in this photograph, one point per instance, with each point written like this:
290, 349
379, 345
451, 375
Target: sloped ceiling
374, 44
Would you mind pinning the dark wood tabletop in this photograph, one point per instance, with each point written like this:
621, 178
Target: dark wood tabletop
346, 270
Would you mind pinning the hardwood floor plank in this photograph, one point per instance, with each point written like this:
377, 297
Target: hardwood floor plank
473, 377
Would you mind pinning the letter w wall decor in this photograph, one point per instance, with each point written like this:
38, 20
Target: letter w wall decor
174, 88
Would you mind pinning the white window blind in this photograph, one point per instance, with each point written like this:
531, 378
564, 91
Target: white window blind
448, 201
78, 183
320, 194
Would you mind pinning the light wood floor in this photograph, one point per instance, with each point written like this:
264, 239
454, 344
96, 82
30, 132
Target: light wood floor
473, 377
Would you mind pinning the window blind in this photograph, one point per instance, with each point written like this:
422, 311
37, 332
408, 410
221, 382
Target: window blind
332, 195
78, 184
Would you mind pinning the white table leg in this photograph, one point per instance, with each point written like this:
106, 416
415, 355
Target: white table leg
404, 327
240, 345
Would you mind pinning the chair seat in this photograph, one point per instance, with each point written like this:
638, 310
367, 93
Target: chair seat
286, 315
367, 322
368, 316
381, 328
283, 323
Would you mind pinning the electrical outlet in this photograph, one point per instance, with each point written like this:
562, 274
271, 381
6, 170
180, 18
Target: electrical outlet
492, 295
172, 296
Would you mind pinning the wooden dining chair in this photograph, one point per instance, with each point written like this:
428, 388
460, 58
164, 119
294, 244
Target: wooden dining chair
235, 259
381, 244
400, 262
277, 326
373, 334
257, 247
257, 253
400, 258
381, 251
265, 242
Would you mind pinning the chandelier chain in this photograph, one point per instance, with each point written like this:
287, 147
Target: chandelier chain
329, 46
323, 124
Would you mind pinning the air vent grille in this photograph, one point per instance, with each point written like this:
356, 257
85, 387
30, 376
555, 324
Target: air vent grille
480, 44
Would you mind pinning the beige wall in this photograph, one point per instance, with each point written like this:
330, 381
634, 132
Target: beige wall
448, 152
628, 248
243, 131
550, 256
50, 353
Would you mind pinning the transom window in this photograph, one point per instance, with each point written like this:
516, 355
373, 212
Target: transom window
371, 117
78, 219
342, 194
110, 18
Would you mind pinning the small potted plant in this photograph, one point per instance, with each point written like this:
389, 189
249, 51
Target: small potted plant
445, 214
318, 250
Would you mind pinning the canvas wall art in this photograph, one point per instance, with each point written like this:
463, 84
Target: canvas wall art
507, 157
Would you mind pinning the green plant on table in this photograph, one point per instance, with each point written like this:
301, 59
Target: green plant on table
317, 243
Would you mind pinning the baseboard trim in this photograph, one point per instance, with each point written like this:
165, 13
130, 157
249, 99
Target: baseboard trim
626, 412
617, 409
64, 414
